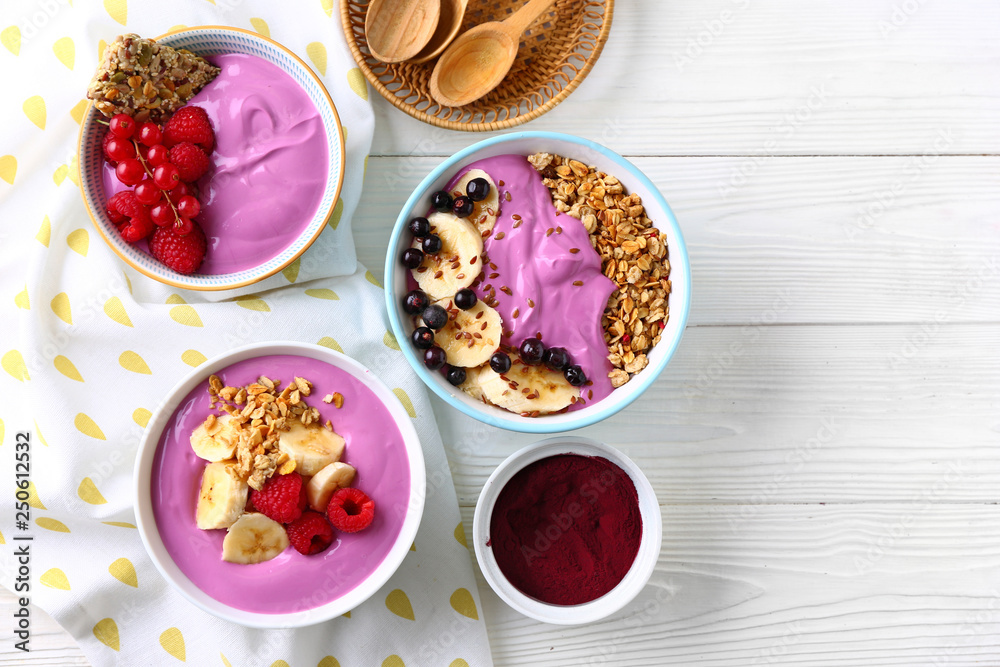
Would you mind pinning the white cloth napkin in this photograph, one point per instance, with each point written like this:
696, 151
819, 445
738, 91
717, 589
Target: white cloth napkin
88, 348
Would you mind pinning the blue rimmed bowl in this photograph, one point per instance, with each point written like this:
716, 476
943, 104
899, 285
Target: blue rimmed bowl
208, 41
590, 153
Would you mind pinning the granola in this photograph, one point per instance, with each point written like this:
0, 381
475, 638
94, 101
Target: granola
146, 80
633, 255
259, 412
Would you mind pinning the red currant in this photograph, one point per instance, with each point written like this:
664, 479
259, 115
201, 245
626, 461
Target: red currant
183, 226
166, 176
157, 155
184, 190
120, 149
122, 126
162, 214
147, 192
130, 171
188, 206
150, 134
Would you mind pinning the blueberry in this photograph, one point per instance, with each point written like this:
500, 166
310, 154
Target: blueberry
456, 375
531, 351
441, 201
435, 317
412, 258
415, 302
478, 189
465, 298
419, 227
556, 358
500, 362
434, 358
431, 244
462, 207
575, 376
423, 338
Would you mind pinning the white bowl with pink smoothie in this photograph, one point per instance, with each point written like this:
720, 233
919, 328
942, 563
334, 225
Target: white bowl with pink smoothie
292, 589
552, 283
276, 171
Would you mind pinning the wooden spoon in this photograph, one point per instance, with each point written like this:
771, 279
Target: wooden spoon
452, 13
479, 59
396, 30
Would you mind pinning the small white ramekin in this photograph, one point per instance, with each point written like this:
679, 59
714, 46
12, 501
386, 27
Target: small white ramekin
635, 579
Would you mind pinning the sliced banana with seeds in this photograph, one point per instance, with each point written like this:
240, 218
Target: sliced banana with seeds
222, 498
484, 213
322, 485
471, 384
312, 447
471, 336
457, 264
254, 538
526, 388
215, 439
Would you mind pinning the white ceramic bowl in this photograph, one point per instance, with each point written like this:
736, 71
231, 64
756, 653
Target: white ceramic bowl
626, 590
338, 579
209, 41
588, 152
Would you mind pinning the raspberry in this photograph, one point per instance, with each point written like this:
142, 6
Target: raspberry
310, 533
183, 254
350, 510
111, 207
191, 161
132, 217
283, 497
189, 123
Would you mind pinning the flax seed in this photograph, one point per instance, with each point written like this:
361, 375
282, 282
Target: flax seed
515, 313
573, 251
578, 283
499, 236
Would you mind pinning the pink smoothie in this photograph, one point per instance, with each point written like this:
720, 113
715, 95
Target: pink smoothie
269, 166
291, 582
539, 266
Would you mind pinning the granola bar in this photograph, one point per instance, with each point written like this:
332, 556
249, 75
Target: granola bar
146, 80
633, 255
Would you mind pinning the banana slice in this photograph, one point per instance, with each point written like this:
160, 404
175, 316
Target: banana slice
484, 213
223, 497
216, 442
312, 447
458, 262
471, 336
471, 384
536, 389
322, 485
254, 538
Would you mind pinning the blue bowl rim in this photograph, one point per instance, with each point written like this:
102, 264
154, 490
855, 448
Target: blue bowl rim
639, 383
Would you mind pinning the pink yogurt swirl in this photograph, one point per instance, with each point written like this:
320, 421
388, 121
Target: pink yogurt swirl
269, 166
537, 264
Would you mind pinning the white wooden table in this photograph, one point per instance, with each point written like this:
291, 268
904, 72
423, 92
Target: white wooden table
826, 443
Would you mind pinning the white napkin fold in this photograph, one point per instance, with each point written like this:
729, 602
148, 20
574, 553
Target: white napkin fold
88, 347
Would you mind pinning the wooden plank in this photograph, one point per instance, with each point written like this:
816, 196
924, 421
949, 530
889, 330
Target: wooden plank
746, 416
51, 646
777, 77
864, 586
802, 240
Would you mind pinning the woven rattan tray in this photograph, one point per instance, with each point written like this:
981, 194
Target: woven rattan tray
556, 53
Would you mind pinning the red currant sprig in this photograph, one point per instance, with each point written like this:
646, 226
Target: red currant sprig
148, 170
